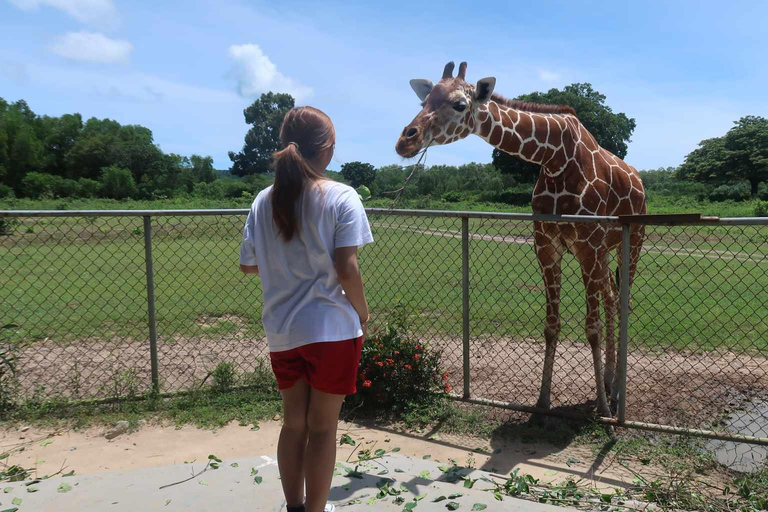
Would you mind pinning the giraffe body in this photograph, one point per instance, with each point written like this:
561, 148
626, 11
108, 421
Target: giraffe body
578, 177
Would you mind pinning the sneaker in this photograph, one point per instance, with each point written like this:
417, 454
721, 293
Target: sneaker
329, 508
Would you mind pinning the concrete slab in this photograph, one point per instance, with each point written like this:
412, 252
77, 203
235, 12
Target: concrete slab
232, 488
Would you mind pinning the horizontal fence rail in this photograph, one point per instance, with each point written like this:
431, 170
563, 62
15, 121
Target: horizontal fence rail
114, 304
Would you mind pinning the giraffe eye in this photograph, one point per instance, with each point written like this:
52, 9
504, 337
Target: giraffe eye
459, 107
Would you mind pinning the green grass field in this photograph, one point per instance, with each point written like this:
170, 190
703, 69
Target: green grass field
73, 279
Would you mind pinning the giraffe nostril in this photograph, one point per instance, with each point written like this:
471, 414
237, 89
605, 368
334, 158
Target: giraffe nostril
411, 133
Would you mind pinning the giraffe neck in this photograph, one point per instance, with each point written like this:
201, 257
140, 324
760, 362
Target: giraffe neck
533, 137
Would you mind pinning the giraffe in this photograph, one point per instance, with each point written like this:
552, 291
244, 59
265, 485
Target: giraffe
578, 177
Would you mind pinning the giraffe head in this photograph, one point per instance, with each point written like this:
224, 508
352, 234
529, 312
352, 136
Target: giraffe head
448, 113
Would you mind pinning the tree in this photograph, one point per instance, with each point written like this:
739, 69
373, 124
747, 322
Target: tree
612, 131
21, 152
117, 183
263, 138
739, 155
358, 173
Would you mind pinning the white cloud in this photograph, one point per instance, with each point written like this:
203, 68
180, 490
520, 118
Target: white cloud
548, 76
84, 11
92, 47
256, 74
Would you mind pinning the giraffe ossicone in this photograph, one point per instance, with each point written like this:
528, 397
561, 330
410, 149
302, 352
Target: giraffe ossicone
578, 177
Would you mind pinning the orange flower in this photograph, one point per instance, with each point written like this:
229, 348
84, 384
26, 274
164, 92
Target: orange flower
448, 389
380, 363
390, 362
408, 367
367, 384
416, 357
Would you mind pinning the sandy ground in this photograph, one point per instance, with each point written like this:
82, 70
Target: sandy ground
89, 452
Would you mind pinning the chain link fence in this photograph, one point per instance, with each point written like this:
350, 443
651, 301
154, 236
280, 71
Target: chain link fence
102, 305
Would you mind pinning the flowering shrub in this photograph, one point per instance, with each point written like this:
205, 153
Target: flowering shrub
397, 370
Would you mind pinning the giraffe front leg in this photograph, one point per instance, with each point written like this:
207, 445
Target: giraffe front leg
610, 295
596, 278
550, 255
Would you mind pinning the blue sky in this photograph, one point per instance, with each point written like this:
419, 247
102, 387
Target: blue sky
684, 70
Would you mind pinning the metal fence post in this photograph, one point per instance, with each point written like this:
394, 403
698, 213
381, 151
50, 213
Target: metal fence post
624, 321
465, 299
151, 303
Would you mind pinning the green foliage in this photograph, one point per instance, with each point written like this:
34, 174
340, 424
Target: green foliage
8, 225
224, 376
761, 208
517, 196
263, 138
612, 131
741, 154
117, 183
358, 173
397, 371
735, 192
88, 188
8, 359
43, 156
6, 191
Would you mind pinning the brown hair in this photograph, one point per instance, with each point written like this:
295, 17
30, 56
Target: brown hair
306, 132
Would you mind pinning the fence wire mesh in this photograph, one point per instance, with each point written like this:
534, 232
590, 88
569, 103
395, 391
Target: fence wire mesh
74, 293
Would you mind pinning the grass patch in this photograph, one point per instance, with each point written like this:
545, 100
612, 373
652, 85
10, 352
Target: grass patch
204, 409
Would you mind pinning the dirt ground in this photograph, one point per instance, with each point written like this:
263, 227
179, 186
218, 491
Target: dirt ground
89, 452
674, 388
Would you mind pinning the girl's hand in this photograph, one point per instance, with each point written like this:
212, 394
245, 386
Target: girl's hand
364, 325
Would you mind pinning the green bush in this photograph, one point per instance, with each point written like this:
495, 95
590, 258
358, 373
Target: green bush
762, 191
736, 192
117, 183
520, 195
88, 188
8, 225
761, 208
397, 371
452, 197
38, 184
6, 192
224, 376
223, 188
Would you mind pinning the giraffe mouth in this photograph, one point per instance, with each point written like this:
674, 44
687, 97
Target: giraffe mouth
408, 148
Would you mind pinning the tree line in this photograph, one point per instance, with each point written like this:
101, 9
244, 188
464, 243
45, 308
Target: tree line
63, 157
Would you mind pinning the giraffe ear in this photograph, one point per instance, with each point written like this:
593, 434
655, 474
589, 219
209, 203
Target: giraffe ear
484, 89
421, 87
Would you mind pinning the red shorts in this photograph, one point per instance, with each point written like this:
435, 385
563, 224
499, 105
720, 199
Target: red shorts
330, 367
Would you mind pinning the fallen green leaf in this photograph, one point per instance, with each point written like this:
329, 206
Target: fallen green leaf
71, 473
64, 488
32, 489
439, 499
17, 501
345, 487
425, 475
235, 465
427, 457
7, 490
572, 460
258, 479
419, 497
479, 506
398, 470
203, 482
168, 502
5, 456
395, 450
371, 501
469, 483
452, 505
346, 439
497, 495
380, 452
46, 442
410, 506
254, 471
606, 498
14, 509
384, 472
455, 495
255, 428
214, 458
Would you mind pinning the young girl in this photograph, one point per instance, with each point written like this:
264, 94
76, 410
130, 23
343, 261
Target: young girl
301, 237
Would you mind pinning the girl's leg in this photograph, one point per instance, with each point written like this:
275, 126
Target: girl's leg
322, 420
292, 445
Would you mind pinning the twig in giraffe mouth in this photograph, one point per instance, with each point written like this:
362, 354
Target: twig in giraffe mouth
417, 165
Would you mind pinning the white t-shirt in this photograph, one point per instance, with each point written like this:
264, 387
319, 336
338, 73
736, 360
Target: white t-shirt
303, 300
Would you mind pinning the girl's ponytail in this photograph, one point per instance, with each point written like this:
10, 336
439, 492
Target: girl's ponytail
305, 133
